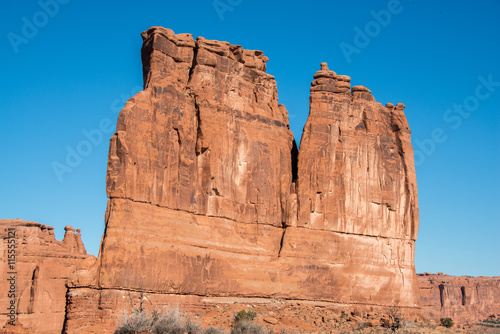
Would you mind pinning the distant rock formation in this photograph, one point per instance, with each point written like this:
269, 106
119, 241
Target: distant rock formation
209, 197
41, 267
462, 298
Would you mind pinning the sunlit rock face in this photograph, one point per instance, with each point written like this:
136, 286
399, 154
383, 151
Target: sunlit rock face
209, 198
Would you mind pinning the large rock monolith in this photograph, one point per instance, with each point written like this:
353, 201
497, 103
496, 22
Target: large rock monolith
208, 199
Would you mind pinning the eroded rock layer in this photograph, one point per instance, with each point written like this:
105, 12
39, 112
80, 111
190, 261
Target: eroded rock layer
205, 199
462, 298
40, 269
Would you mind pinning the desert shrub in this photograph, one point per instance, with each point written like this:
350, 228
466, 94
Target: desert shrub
393, 319
169, 321
135, 322
446, 322
160, 322
243, 323
247, 327
244, 315
191, 327
213, 330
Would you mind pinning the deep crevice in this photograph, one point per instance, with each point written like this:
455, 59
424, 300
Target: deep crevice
441, 295
178, 137
33, 288
282, 239
194, 63
294, 157
464, 297
199, 149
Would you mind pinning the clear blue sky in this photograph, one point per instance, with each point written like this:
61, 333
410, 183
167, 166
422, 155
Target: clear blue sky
66, 70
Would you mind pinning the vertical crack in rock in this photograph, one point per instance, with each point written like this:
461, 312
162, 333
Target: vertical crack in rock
33, 289
464, 298
441, 295
294, 160
282, 240
200, 149
193, 64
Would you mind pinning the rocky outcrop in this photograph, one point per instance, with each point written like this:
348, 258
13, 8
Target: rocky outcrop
38, 271
462, 298
207, 199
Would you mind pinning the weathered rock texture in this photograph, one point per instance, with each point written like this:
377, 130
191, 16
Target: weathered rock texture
462, 298
207, 200
42, 266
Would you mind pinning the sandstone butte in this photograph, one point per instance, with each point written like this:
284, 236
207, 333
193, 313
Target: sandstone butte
212, 206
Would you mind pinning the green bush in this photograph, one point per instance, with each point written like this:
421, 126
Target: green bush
447, 322
243, 323
244, 315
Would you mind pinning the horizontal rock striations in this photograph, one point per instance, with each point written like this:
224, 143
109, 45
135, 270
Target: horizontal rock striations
41, 267
208, 197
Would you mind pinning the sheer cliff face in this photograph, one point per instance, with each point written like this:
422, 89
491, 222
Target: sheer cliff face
205, 199
356, 170
206, 135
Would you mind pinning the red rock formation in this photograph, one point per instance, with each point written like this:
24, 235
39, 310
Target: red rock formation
203, 198
462, 298
42, 265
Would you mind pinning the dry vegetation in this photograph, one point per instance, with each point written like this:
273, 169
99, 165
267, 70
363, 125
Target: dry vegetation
171, 321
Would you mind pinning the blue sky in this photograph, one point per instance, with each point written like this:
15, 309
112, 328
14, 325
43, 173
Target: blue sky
67, 70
